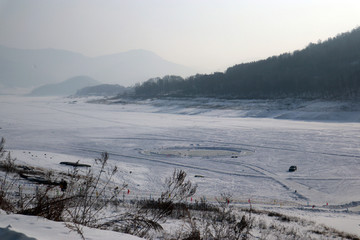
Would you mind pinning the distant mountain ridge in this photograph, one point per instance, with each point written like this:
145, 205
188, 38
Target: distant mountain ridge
65, 88
29, 68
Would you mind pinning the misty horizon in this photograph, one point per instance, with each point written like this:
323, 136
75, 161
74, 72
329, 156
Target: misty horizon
208, 36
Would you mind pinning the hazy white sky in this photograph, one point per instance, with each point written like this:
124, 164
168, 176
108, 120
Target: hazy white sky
209, 35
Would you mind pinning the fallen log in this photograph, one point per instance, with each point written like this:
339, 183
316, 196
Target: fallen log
75, 164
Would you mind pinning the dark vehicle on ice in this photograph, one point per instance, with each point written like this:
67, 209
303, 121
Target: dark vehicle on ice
292, 168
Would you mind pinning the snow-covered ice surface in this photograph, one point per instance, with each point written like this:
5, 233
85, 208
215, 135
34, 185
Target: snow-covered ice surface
247, 157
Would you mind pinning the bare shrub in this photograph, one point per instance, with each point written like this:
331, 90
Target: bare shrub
218, 221
147, 215
193, 235
80, 204
6, 185
85, 201
45, 204
176, 188
262, 224
7, 181
2, 147
91, 194
137, 223
8, 164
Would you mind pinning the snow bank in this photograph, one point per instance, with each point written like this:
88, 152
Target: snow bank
291, 109
21, 227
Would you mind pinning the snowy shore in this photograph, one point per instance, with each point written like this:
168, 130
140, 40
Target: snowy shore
142, 137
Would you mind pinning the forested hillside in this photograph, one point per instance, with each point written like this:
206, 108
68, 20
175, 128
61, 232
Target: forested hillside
329, 69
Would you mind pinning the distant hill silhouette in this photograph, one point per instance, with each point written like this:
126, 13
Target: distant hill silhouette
31, 68
64, 88
329, 69
105, 90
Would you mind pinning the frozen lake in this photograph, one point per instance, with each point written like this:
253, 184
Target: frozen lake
246, 157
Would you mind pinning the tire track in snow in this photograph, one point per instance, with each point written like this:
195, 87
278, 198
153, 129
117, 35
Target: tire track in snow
264, 172
289, 149
323, 179
171, 163
302, 192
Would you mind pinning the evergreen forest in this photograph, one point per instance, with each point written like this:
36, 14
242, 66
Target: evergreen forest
328, 70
